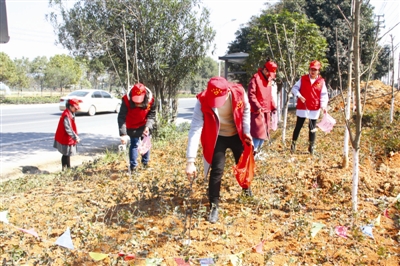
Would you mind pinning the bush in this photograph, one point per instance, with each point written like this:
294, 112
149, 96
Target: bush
382, 134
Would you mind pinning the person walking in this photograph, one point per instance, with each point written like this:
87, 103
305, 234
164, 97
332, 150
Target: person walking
136, 118
221, 120
262, 93
312, 95
66, 137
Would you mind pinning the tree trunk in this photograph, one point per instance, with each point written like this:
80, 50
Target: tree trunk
357, 137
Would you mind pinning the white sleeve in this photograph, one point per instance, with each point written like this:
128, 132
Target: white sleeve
196, 127
324, 96
296, 89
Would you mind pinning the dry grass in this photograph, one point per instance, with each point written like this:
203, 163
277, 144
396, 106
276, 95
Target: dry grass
158, 213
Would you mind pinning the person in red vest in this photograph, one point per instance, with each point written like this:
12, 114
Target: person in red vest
312, 95
136, 119
262, 92
66, 137
221, 120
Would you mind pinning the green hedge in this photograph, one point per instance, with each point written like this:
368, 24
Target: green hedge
29, 99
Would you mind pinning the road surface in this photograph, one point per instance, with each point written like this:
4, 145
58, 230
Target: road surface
27, 136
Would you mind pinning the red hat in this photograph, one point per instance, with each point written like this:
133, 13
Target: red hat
271, 68
217, 90
75, 103
138, 92
315, 64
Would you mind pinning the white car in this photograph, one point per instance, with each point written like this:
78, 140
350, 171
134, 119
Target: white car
93, 101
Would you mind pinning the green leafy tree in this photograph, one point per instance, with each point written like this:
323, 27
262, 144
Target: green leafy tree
331, 16
62, 71
8, 70
382, 66
37, 69
208, 68
158, 43
22, 69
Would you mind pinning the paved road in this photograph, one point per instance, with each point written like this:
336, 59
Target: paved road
27, 135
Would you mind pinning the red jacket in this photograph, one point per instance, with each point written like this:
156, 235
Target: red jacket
61, 135
136, 117
312, 93
209, 133
260, 97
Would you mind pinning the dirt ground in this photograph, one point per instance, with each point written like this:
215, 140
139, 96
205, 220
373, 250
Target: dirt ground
159, 217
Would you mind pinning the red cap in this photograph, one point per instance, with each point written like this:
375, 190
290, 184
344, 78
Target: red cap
315, 64
75, 103
217, 90
271, 68
138, 92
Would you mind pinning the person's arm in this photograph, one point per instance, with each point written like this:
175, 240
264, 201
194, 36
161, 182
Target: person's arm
324, 98
121, 118
274, 93
196, 127
296, 91
246, 119
69, 130
252, 96
151, 119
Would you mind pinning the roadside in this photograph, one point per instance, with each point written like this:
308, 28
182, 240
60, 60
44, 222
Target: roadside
39, 157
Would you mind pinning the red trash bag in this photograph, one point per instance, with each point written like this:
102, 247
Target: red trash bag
244, 170
144, 145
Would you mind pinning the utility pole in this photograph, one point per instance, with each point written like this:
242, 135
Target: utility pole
378, 27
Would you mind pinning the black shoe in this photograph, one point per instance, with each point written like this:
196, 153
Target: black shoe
247, 192
213, 218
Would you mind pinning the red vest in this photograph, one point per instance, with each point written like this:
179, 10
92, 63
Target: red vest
263, 94
209, 133
61, 135
312, 93
136, 117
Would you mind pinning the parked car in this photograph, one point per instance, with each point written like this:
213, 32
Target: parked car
93, 101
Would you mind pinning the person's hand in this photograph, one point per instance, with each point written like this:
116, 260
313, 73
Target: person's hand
248, 139
324, 110
259, 111
302, 99
124, 139
190, 170
78, 139
146, 131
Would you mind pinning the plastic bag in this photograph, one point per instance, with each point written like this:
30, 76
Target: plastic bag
326, 123
274, 121
144, 145
244, 170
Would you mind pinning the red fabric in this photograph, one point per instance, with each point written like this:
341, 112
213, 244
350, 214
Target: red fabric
61, 135
136, 117
260, 97
210, 130
244, 170
312, 93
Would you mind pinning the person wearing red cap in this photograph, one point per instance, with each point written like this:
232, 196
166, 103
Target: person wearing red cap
66, 137
262, 92
221, 120
312, 95
136, 119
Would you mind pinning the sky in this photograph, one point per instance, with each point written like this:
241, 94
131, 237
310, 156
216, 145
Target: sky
31, 35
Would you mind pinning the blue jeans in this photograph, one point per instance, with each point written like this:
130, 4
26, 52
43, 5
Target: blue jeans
257, 144
134, 153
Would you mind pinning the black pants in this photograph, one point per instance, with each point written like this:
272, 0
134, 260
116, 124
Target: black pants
299, 124
218, 164
65, 162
